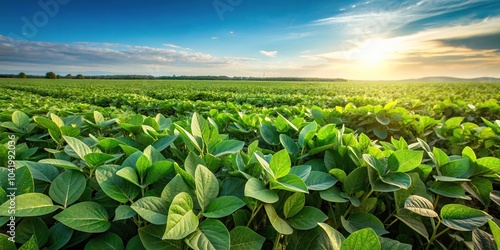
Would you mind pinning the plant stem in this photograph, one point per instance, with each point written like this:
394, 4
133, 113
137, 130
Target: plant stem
254, 213
434, 231
277, 241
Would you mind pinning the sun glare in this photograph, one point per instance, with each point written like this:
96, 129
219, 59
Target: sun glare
374, 53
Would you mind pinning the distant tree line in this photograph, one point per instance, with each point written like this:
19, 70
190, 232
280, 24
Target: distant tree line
52, 75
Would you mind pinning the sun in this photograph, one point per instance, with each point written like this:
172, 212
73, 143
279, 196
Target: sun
374, 53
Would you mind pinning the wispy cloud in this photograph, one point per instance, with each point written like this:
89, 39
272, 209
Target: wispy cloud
172, 45
269, 53
88, 54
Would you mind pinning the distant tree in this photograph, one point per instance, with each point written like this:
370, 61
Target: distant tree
58, 76
51, 75
69, 76
79, 76
22, 75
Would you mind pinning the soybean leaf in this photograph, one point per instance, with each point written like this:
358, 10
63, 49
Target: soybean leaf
462, 218
105, 241
364, 239
294, 204
280, 164
223, 206
495, 230
244, 238
207, 186
67, 187
30, 227
449, 189
211, 235
153, 209
359, 221
405, 160
335, 237
420, 206
228, 147
29, 205
30, 244
413, 223
456, 168
254, 188
319, 181
124, 212
307, 218
151, 238
390, 244
280, 225
482, 240
356, 180
60, 163
289, 182
181, 220
307, 133
59, 236
87, 216
115, 186
269, 134
80, 148
289, 144
398, 179
95, 159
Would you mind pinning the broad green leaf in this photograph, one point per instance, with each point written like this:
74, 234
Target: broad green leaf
397, 179
59, 236
207, 186
302, 171
67, 187
30, 244
338, 173
315, 238
319, 181
405, 160
482, 240
335, 237
151, 238
54, 130
488, 166
375, 164
189, 139
211, 235
135, 244
289, 144
390, 244
356, 180
265, 165
188, 178
254, 188
333, 194
6, 243
294, 204
20, 119
80, 148
382, 119
449, 189
124, 212
29, 205
364, 239
420, 206
88, 216
244, 238
228, 147
199, 126
495, 230
129, 174
456, 168
280, 164
480, 188
142, 165
30, 227
462, 218
223, 206
181, 220
359, 221
60, 163
23, 181
174, 187
280, 225
153, 209
415, 224
115, 186
158, 171
105, 241
163, 142
308, 218
307, 133
289, 182
95, 159
440, 156
469, 153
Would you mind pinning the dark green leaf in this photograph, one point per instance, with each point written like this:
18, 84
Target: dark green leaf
88, 216
244, 238
364, 239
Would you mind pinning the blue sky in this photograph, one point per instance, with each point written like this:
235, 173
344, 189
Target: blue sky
370, 39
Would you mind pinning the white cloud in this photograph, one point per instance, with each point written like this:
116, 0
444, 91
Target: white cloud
269, 53
172, 45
